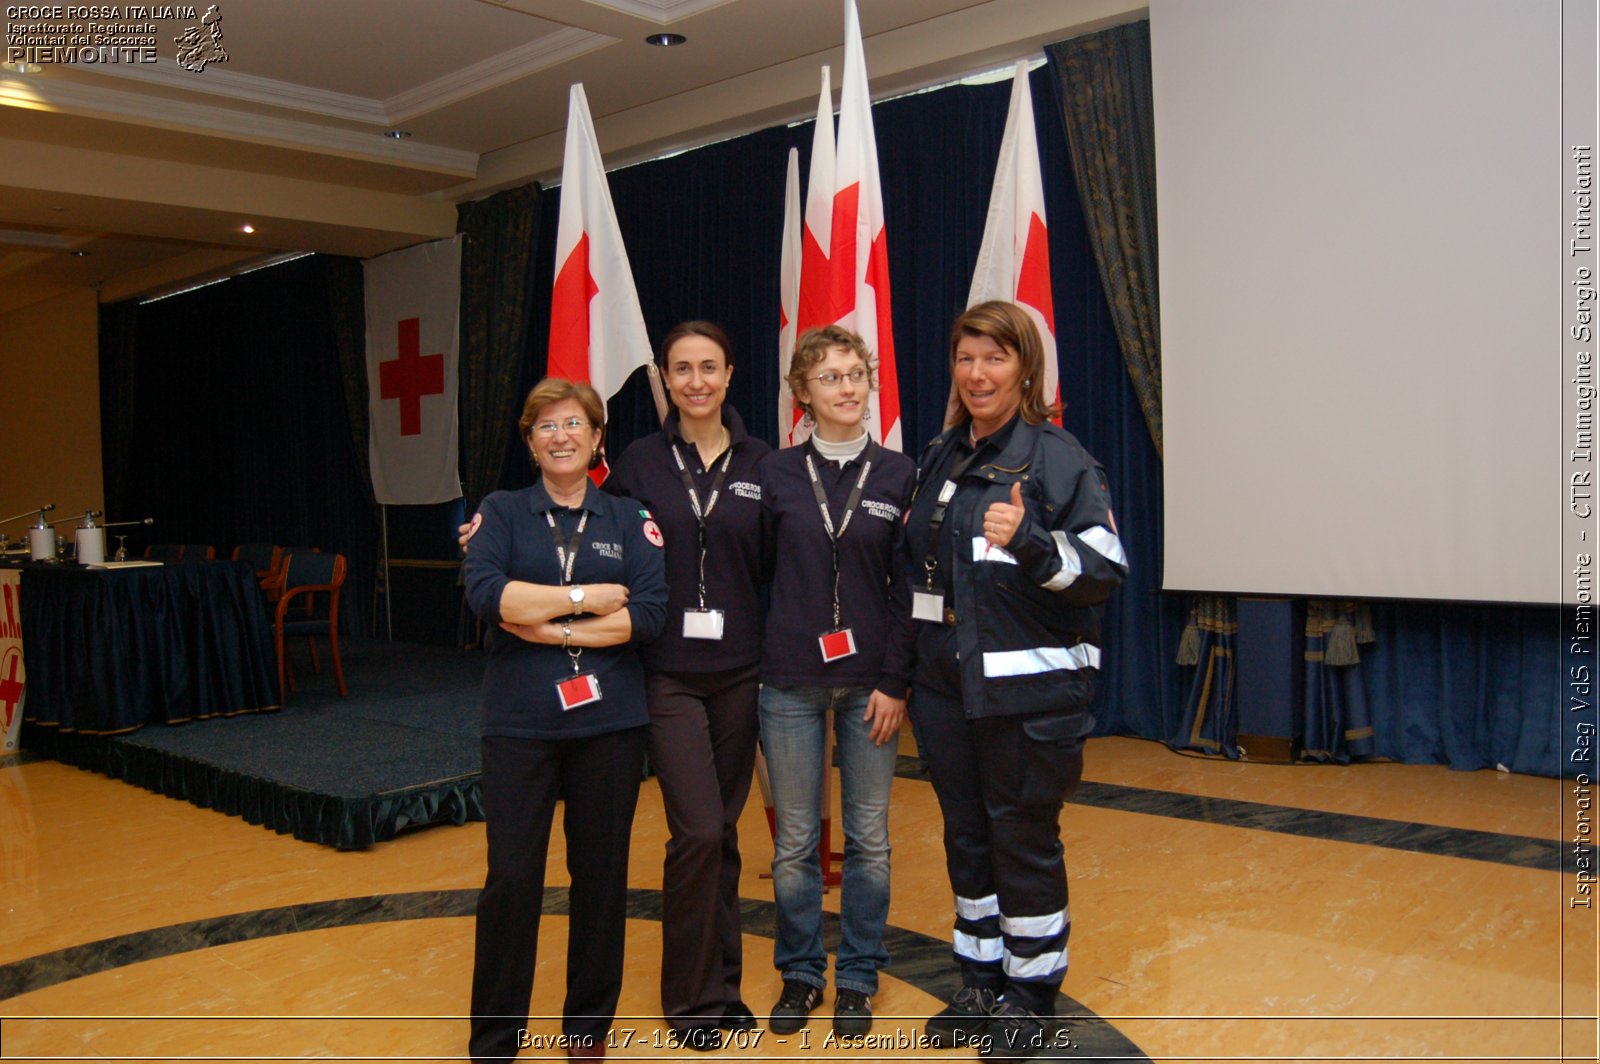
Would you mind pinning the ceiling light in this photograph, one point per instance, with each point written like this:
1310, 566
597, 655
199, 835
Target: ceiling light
666, 40
398, 134
247, 228
22, 68
79, 254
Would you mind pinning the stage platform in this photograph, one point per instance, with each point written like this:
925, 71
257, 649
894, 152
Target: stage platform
401, 752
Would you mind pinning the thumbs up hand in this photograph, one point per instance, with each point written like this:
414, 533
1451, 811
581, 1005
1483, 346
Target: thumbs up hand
1002, 519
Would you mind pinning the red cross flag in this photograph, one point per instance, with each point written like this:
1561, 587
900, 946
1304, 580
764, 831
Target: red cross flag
789, 300
844, 272
1014, 260
597, 330
820, 292
413, 305
13, 679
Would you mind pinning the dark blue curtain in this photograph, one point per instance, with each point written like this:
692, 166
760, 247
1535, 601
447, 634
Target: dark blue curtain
236, 429
1468, 686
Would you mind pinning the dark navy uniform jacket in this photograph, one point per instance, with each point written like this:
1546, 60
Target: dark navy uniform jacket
874, 602
647, 472
514, 543
1026, 637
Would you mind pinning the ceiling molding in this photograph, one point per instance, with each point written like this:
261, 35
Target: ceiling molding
166, 73
508, 66
661, 11
26, 238
539, 54
184, 116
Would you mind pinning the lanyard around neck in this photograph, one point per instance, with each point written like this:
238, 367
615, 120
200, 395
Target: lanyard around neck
567, 552
947, 492
702, 513
844, 521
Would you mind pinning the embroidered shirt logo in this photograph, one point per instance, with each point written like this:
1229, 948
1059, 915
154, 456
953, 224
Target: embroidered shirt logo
746, 490
885, 510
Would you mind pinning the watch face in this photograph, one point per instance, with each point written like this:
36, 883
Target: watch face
576, 594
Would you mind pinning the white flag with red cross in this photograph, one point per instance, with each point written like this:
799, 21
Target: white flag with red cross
597, 332
413, 308
844, 272
789, 299
859, 242
1014, 259
13, 679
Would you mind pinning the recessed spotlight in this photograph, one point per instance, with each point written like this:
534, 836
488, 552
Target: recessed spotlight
397, 134
666, 40
247, 228
22, 68
79, 254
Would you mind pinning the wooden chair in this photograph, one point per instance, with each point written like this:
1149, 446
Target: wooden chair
305, 577
268, 560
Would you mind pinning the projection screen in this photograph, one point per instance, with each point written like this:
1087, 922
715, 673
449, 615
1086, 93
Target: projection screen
1362, 206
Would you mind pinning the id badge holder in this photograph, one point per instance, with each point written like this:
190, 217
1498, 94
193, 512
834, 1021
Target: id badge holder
702, 624
837, 644
579, 690
927, 606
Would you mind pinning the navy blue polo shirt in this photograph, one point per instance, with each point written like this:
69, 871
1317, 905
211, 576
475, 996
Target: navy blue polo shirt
646, 471
514, 542
873, 601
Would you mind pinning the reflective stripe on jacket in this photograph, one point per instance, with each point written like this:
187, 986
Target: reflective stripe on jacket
1027, 615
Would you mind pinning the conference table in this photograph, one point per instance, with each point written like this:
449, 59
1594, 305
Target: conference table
111, 650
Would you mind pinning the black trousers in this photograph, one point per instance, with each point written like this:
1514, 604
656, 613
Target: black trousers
1001, 783
703, 729
598, 780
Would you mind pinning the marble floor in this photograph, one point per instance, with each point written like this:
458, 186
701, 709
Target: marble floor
1221, 912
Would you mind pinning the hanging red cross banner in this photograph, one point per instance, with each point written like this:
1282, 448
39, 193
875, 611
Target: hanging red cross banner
12, 678
413, 301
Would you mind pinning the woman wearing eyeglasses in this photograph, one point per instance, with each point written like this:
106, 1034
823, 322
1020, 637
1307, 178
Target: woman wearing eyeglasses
698, 479
839, 640
576, 579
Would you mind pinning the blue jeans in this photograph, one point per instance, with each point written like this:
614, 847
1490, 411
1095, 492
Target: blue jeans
794, 723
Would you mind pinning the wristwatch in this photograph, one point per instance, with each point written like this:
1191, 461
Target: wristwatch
576, 595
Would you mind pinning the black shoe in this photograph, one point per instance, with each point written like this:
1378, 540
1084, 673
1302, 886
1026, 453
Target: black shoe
1014, 1034
700, 1039
852, 1012
794, 1007
737, 1017
964, 1020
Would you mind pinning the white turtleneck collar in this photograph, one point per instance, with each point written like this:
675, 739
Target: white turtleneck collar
840, 452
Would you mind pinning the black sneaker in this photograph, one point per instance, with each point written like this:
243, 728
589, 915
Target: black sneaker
852, 1012
963, 1021
1014, 1034
737, 1017
794, 1006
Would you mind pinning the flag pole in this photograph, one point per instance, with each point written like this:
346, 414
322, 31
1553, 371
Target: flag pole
388, 608
657, 390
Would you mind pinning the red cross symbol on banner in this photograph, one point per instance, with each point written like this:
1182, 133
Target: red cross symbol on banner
10, 689
410, 377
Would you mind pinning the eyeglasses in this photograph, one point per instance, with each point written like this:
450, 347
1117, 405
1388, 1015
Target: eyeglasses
830, 379
548, 428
